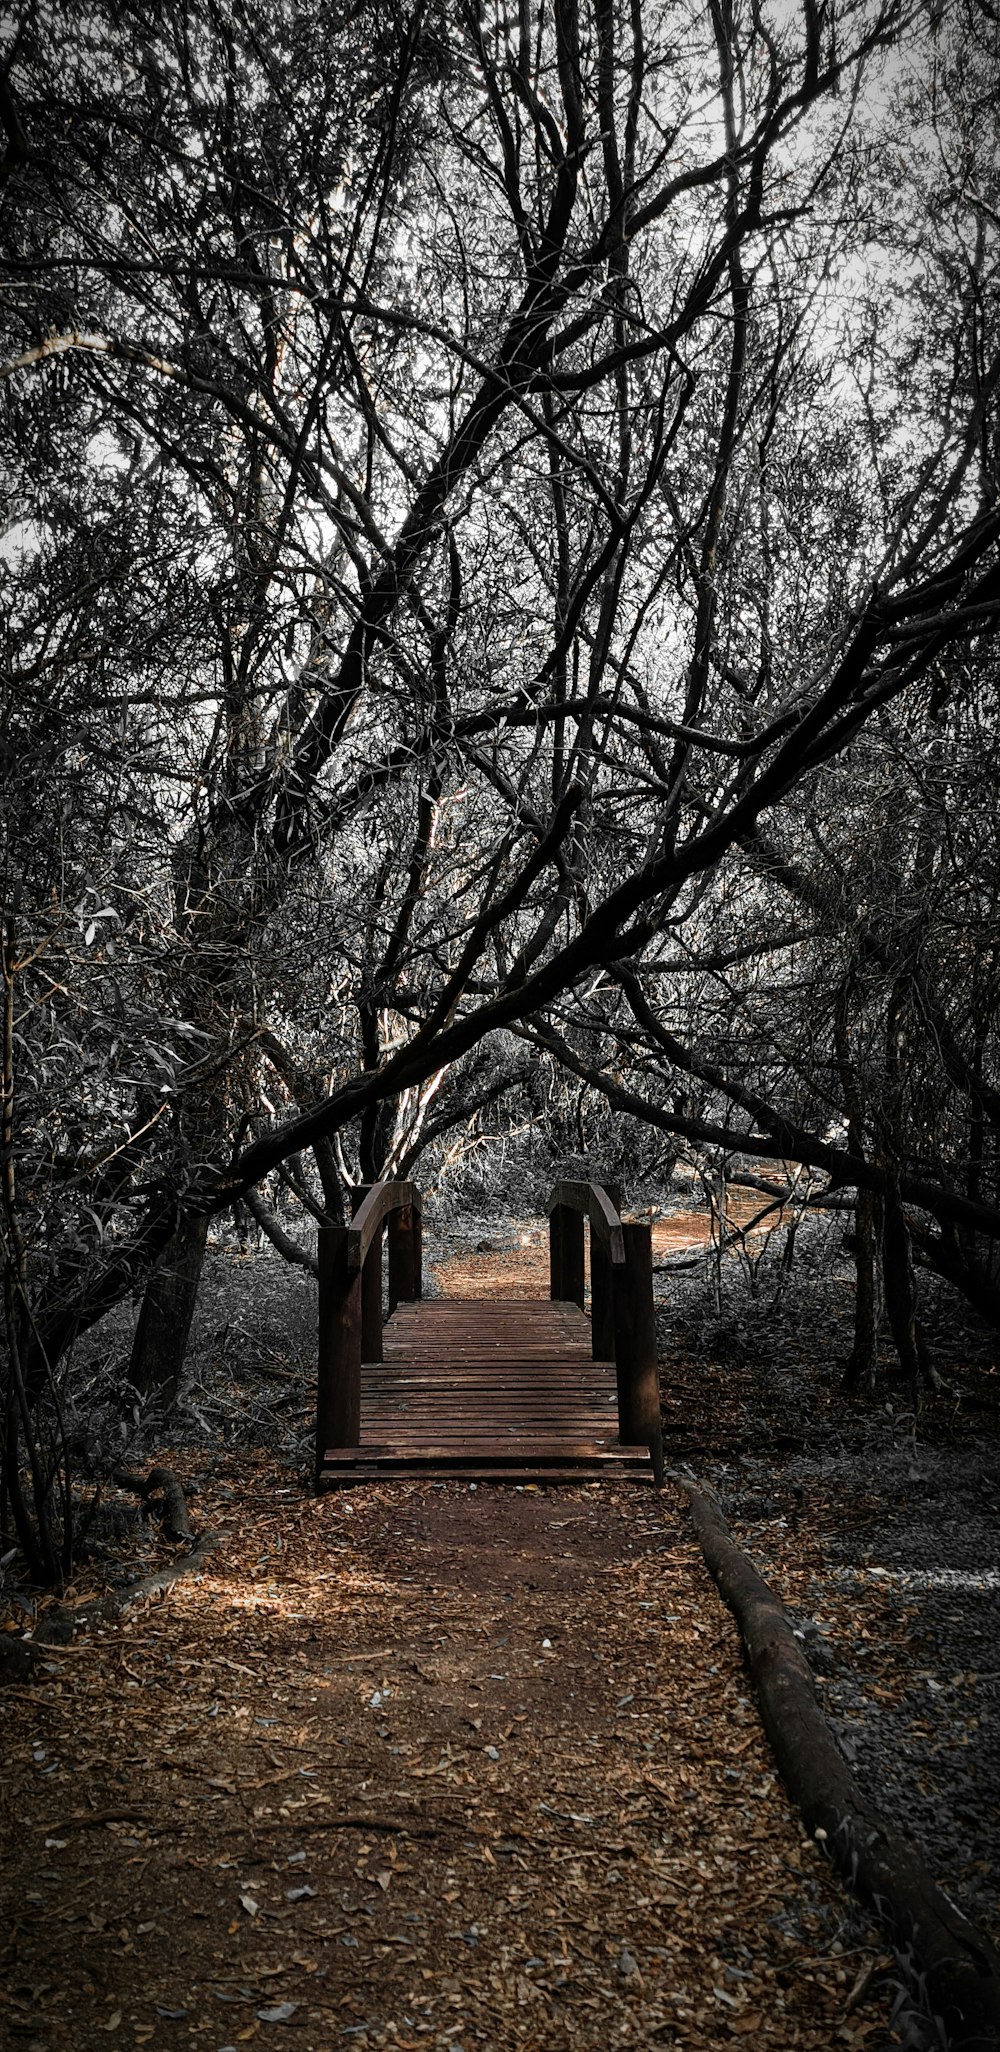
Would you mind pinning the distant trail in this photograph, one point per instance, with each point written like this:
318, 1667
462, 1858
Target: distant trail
523, 1270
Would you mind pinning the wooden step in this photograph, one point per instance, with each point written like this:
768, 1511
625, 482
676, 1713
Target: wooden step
520, 1474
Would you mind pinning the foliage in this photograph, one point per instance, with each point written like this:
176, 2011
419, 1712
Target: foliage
502, 577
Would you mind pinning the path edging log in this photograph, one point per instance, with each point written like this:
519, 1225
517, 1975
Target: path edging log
949, 1964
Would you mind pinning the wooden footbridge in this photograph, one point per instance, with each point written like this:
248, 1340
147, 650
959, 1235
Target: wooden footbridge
487, 1391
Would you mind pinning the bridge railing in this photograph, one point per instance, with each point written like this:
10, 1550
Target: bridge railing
350, 1299
623, 1321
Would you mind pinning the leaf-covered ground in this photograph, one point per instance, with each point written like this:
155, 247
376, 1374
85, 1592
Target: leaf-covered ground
428, 1765
418, 1765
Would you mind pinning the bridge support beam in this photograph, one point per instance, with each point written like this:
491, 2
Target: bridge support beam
338, 1387
404, 1232
566, 1262
635, 1347
371, 1287
350, 1302
602, 1287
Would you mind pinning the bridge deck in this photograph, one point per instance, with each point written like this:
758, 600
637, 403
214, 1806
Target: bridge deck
487, 1391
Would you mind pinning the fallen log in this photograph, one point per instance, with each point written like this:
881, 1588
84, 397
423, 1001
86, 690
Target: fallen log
952, 1967
162, 1491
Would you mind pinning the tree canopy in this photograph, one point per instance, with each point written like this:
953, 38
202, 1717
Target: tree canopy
501, 561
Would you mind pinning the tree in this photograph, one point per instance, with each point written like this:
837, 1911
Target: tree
558, 518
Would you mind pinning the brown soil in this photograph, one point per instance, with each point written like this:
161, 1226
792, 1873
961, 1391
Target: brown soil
419, 1765
433, 1766
522, 1270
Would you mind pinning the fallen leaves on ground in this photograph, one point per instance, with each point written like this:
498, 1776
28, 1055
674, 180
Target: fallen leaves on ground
414, 1765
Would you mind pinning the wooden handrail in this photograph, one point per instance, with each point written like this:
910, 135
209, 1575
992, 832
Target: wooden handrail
593, 1200
382, 1198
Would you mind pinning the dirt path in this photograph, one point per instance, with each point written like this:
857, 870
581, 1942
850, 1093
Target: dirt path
418, 1765
522, 1270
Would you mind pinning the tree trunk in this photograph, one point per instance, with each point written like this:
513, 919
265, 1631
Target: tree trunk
161, 1336
374, 1139
901, 1297
860, 1371
947, 1254
330, 1183
897, 1251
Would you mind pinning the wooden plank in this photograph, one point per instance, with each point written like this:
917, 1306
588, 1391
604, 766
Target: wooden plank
615, 1460
560, 1445
444, 1400
479, 1368
466, 1376
512, 1412
487, 1377
388, 1431
469, 1311
430, 1431
460, 1442
440, 1404
562, 1415
519, 1477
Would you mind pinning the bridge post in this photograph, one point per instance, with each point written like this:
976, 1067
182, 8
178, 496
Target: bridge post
405, 1237
602, 1288
635, 1348
566, 1267
338, 1381
418, 1246
371, 1287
